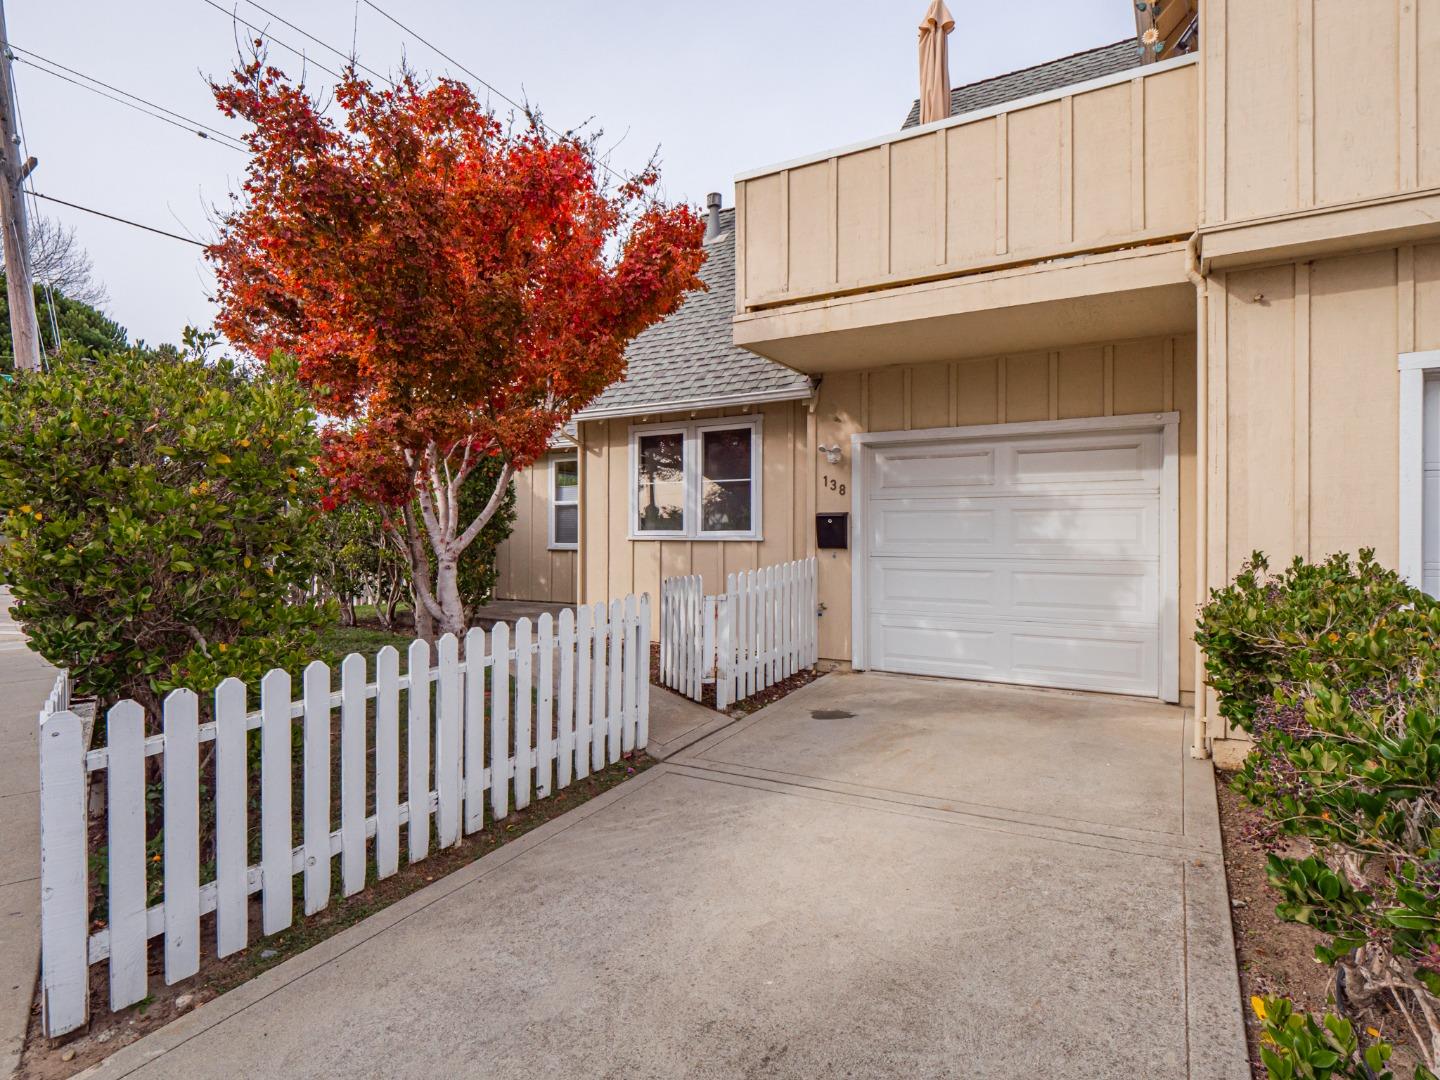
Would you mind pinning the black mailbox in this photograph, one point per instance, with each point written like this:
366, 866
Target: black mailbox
832, 531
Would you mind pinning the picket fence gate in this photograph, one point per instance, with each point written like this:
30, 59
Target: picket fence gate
762, 629
580, 700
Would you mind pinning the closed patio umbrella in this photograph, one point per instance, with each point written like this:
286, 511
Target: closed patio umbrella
935, 62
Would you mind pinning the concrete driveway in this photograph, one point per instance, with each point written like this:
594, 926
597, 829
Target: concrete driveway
877, 876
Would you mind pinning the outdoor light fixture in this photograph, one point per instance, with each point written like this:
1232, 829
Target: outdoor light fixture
832, 453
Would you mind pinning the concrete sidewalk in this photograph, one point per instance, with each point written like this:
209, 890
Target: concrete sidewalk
876, 876
25, 682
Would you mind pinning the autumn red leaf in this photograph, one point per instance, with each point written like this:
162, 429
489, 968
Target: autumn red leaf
451, 286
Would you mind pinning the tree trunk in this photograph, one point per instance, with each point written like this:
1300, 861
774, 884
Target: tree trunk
386, 610
447, 594
424, 621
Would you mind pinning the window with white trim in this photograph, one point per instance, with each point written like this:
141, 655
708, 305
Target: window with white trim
699, 480
1430, 486
1420, 469
564, 501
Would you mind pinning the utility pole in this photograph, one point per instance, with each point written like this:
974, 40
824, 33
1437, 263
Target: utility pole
24, 326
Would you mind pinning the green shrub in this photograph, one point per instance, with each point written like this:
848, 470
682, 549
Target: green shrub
1295, 1046
1332, 669
161, 519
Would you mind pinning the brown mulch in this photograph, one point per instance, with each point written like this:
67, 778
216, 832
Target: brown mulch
1276, 958
108, 1031
746, 706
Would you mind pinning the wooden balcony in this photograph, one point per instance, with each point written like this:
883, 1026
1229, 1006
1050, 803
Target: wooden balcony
1092, 168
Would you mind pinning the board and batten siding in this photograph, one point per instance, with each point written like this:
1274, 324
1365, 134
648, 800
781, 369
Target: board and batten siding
1152, 375
529, 569
1090, 170
1305, 403
1318, 102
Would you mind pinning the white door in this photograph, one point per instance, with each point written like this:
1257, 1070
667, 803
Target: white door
1032, 560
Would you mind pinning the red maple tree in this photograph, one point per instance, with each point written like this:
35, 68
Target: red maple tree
452, 288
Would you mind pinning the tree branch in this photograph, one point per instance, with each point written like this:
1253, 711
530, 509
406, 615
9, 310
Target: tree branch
421, 565
501, 484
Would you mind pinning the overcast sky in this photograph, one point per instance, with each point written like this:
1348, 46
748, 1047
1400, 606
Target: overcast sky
717, 88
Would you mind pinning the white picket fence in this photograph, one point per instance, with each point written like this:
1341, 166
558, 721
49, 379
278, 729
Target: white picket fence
580, 700
762, 629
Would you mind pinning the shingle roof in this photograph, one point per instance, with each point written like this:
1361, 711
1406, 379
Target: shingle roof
691, 356
1067, 71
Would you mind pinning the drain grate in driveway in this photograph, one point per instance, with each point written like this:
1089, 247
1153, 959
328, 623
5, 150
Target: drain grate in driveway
831, 714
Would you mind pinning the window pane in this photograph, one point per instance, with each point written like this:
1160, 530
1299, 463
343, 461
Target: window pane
567, 480
567, 524
727, 454
725, 506
660, 483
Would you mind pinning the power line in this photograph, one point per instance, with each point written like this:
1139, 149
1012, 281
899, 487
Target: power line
115, 217
192, 127
348, 58
136, 97
236, 17
494, 90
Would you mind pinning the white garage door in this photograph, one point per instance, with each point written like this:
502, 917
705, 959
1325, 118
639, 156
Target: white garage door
1031, 560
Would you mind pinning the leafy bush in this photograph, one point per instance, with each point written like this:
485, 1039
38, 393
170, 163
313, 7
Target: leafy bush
1295, 1046
160, 512
1333, 669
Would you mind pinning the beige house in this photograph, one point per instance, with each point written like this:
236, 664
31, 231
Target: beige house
1063, 359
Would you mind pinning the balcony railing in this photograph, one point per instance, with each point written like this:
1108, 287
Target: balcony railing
1097, 166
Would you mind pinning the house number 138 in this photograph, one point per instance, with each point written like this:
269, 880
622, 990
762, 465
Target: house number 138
834, 485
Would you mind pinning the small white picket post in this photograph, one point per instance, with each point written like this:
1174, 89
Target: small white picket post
500, 723
417, 748
387, 761
522, 707
232, 856
584, 634
316, 788
275, 809
64, 884
474, 769
448, 708
598, 672
565, 754
544, 705
125, 735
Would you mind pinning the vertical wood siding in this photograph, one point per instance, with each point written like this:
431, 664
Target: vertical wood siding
1303, 373
1318, 102
529, 570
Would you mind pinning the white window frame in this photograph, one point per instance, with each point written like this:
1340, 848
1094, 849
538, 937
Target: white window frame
552, 473
1415, 369
693, 433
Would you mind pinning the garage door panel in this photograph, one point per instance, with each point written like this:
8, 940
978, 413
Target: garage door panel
1073, 658
1034, 560
1085, 527
1122, 462
1113, 594
1115, 661
919, 528
1116, 592
1048, 527
927, 585
937, 471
